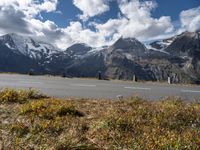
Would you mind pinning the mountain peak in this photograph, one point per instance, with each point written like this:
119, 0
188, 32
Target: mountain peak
127, 40
124, 43
78, 49
194, 35
13, 36
186, 43
79, 45
27, 45
130, 45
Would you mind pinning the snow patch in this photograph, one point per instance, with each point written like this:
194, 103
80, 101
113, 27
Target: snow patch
128, 56
154, 49
29, 46
7, 45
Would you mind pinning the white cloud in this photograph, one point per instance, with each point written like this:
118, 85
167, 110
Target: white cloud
136, 10
76, 33
18, 16
91, 8
136, 21
190, 19
30, 7
12, 20
48, 6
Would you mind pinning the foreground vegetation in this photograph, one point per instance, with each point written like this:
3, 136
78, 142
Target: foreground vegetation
30, 120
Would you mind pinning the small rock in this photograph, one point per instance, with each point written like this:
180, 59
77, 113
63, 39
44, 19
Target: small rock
120, 97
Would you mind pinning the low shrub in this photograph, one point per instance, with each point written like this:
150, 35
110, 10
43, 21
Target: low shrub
19, 129
19, 96
50, 109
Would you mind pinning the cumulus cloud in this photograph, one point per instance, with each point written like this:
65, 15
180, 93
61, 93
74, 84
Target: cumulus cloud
76, 33
18, 16
31, 7
48, 6
46, 31
190, 19
12, 20
15, 15
91, 8
136, 21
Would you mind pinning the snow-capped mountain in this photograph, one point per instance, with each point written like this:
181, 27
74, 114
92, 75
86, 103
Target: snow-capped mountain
82, 50
28, 46
78, 50
178, 57
185, 44
160, 45
128, 56
128, 44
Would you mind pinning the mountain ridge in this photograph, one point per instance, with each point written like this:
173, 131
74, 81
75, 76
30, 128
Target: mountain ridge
177, 57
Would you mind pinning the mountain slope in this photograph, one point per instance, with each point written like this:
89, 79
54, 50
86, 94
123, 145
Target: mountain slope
28, 46
24, 54
128, 57
186, 44
77, 50
187, 47
11, 61
177, 57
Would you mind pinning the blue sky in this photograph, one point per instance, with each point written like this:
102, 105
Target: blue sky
98, 22
174, 7
165, 8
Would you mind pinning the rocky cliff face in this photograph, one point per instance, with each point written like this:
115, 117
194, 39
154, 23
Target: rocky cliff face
128, 57
178, 57
187, 47
122, 60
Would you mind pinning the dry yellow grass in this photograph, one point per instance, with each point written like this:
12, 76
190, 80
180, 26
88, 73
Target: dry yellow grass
37, 122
